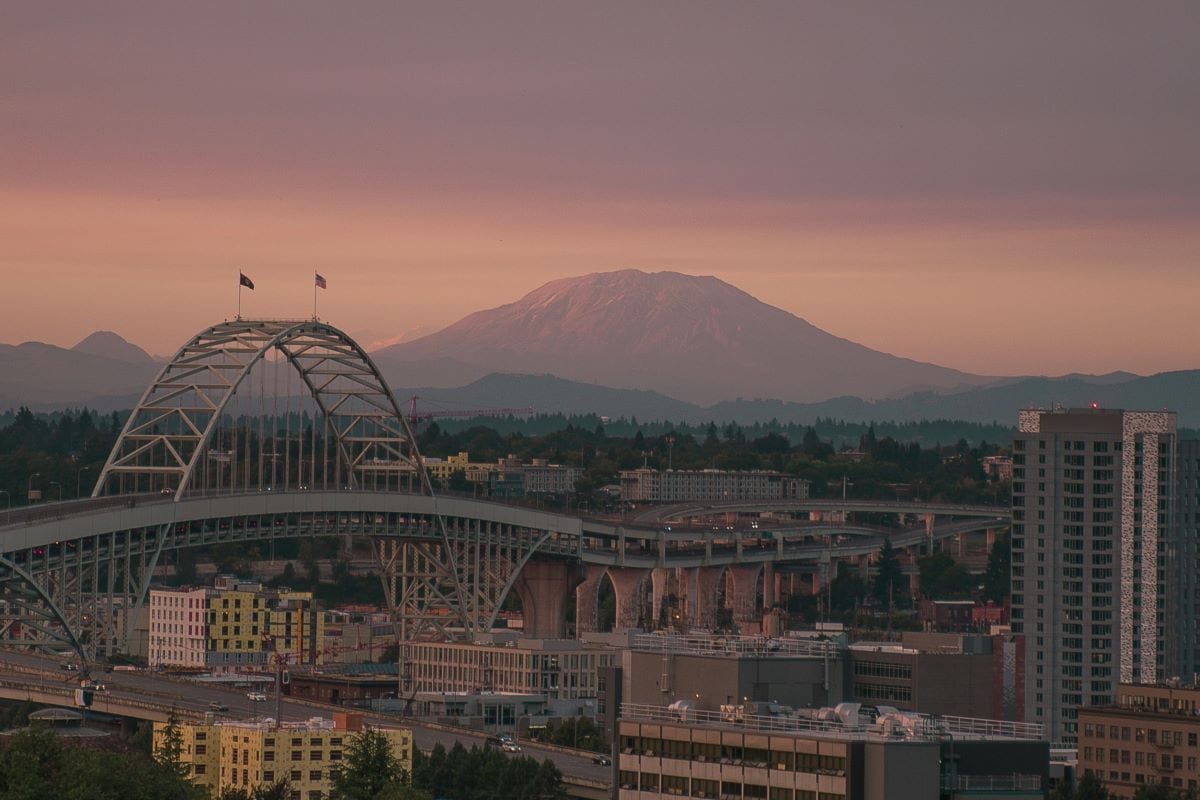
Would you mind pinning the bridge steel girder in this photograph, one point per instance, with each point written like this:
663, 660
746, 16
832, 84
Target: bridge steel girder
111, 570
175, 418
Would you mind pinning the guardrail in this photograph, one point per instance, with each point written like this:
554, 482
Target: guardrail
924, 727
993, 783
759, 646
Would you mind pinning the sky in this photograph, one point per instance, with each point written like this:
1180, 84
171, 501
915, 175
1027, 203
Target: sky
1003, 188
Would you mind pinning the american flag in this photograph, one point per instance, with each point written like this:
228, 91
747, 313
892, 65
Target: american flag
320, 281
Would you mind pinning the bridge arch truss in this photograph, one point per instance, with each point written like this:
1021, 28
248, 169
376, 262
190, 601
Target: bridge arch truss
349, 430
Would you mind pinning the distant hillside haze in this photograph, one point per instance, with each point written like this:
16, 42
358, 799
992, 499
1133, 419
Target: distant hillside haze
694, 338
660, 346
110, 345
103, 371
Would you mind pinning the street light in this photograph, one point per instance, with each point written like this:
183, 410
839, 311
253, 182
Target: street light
59, 485
78, 479
29, 486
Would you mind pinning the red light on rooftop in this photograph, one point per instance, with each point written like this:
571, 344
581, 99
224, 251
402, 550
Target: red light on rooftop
1095, 405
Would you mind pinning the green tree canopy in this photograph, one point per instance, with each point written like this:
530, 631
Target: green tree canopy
369, 768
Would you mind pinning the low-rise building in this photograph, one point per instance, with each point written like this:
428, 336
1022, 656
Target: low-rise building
232, 625
971, 675
1150, 735
178, 634
709, 672
244, 755
345, 684
647, 485
834, 754
555, 668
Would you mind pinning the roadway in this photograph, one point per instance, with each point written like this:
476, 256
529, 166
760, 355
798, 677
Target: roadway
261, 515
151, 695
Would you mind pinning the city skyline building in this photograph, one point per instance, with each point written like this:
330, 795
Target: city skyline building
1092, 556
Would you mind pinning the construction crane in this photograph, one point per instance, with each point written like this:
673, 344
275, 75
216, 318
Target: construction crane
415, 417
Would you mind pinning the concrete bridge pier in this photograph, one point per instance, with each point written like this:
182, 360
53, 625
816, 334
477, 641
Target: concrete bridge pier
586, 595
543, 587
629, 586
702, 590
660, 587
745, 591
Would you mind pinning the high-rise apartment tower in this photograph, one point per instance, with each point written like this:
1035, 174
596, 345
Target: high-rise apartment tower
1092, 550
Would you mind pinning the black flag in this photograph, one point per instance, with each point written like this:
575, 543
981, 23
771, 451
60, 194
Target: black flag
244, 281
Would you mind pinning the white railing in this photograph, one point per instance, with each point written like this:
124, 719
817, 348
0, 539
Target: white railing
945, 729
977, 728
993, 783
760, 646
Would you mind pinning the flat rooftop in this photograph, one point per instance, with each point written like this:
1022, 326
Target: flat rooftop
735, 646
905, 726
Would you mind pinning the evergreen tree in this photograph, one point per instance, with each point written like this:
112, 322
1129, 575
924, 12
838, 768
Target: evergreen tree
369, 768
997, 579
170, 747
889, 579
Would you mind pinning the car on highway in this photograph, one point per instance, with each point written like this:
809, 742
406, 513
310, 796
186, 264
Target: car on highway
92, 686
215, 706
602, 760
71, 666
510, 747
257, 697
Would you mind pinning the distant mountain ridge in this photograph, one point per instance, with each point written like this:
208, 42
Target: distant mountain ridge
103, 371
109, 345
661, 346
696, 338
1175, 391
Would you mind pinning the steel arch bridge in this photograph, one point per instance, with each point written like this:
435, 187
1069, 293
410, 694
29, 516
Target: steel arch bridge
270, 408
176, 424
258, 430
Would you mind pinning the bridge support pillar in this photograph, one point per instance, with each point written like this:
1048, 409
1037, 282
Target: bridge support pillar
962, 544
543, 587
629, 585
770, 589
660, 579
702, 590
586, 594
745, 591
929, 522
991, 539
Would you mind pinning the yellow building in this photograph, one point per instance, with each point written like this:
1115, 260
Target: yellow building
246, 624
251, 753
443, 468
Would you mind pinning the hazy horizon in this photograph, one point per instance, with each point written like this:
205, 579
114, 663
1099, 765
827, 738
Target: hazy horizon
999, 189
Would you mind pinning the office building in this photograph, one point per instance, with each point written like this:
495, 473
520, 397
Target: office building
712, 485
232, 625
828, 754
713, 672
1184, 604
1091, 550
243, 755
1150, 735
932, 673
557, 669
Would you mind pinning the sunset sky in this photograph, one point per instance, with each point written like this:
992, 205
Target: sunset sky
1003, 188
